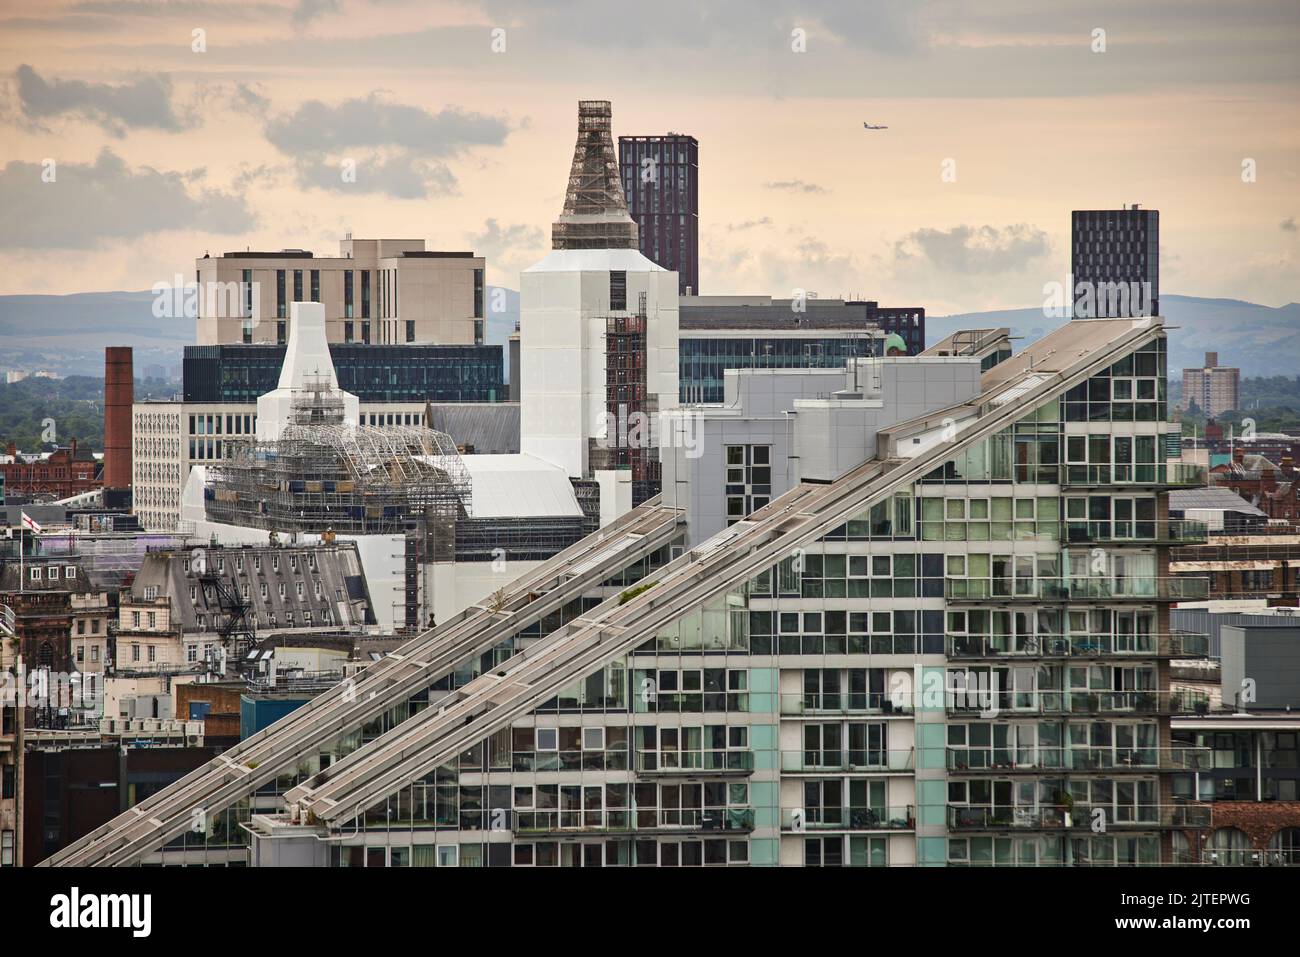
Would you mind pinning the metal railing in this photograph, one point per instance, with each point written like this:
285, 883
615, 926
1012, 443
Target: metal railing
871, 818
1169, 475
1178, 644
848, 760
975, 699
1041, 760
808, 704
1181, 588
1173, 531
626, 820
1079, 816
695, 762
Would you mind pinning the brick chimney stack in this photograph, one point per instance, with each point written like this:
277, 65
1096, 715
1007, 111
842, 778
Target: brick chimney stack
119, 394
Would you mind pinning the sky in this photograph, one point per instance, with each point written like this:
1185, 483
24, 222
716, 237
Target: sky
139, 134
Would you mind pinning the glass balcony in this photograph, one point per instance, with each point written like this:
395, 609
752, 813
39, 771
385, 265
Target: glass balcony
1042, 760
843, 703
874, 818
1079, 816
1182, 588
848, 761
626, 821
974, 699
1180, 644
714, 762
1172, 531
1162, 475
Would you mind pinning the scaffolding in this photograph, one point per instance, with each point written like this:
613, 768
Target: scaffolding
595, 212
327, 474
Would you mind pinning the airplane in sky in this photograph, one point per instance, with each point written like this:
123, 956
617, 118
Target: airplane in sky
868, 126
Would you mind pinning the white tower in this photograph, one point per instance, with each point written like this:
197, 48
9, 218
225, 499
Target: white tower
598, 329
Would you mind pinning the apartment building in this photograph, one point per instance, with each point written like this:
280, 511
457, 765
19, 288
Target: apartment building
1212, 388
376, 291
951, 647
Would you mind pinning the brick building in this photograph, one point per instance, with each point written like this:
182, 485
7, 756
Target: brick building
65, 472
1269, 486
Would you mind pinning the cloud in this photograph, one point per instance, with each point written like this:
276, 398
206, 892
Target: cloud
373, 121
1287, 225
143, 103
176, 8
975, 249
508, 249
395, 149
749, 224
90, 204
307, 10
878, 25
796, 186
397, 175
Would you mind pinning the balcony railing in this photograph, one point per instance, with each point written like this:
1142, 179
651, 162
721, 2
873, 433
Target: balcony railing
842, 703
1172, 531
1182, 588
848, 760
624, 821
975, 698
1164, 475
1180, 644
695, 762
873, 818
1042, 760
1079, 816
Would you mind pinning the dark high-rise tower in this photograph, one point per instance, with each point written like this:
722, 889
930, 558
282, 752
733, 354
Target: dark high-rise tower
1115, 262
661, 180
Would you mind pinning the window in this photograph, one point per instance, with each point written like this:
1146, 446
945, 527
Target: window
36, 574
617, 290
547, 739
135, 652
593, 739
153, 652
70, 572
135, 619
6, 848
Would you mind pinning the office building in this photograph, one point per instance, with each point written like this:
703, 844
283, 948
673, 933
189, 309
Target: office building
911, 657
376, 291
1115, 262
1214, 389
417, 373
661, 179
717, 333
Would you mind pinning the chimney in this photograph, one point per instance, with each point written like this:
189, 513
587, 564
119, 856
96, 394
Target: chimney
119, 394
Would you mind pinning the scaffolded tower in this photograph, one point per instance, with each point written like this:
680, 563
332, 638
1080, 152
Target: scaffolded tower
323, 473
595, 210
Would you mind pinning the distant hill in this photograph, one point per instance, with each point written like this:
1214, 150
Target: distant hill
1260, 340
67, 334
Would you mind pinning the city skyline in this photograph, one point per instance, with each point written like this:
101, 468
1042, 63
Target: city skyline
1000, 122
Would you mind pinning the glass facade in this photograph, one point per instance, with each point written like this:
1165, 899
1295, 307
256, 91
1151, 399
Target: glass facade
405, 373
701, 362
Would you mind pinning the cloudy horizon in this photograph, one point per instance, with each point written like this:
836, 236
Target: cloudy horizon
141, 134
